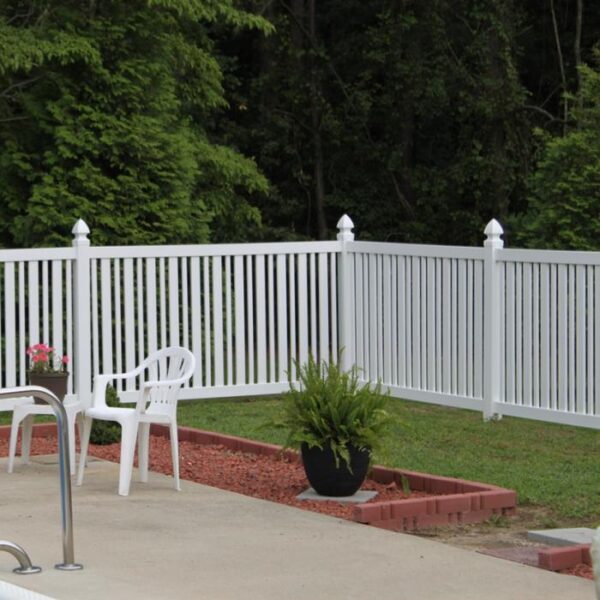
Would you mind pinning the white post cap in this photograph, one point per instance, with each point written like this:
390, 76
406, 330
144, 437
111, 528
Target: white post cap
80, 233
493, 231
345, 227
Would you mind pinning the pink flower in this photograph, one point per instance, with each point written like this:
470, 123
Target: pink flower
44, 360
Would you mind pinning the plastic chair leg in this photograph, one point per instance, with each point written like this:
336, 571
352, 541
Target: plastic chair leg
143, 449
85, 442
80, 425
175, 453
12, 447
26, 432
128, 439
71, 426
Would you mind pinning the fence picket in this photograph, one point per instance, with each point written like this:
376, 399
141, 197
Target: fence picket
387, 320
581, 345
572, 335
128, 299
228, 321
562, 319
45, 304
161, 306
22, 325
303, 340
416, 321
312, 286
447, 327
596, 376
332, 310
293, 323
197, 319
261, 321
217, 294
240, 321
527, 336
171, 331
545, 333
10, 327
118, 324
323, 308
282, 321
208, 372
462, 327
535, 328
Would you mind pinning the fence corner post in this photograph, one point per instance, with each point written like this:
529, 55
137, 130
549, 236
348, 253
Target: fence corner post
345, 295
491, 335
82, 361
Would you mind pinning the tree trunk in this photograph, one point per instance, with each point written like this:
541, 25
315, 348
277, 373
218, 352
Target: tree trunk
316, 118
577, 48
561, 66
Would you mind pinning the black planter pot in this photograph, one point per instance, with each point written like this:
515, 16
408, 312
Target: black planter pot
329, 480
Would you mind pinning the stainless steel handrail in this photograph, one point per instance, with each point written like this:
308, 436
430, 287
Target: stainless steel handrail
66, 505
25, 567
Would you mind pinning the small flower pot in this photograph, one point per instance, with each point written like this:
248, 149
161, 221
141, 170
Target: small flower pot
55, 382
329, 479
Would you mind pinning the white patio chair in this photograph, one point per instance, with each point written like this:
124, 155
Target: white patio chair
161, 375
26, 413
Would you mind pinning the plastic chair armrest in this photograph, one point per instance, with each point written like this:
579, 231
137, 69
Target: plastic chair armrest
165, 382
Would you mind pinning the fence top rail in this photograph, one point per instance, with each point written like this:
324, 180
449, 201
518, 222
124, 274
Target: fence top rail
418, 250
201, 250
36, 254
565, 257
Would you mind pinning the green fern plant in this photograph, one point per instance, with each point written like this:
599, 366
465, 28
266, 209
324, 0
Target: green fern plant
328, 407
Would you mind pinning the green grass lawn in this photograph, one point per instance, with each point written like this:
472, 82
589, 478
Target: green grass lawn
554, 466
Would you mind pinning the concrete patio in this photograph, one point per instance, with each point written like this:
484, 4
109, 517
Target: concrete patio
207, 543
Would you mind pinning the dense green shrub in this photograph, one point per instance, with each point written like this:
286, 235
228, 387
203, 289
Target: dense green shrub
107, 432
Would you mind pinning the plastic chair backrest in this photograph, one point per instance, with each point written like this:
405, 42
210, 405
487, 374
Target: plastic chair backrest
171, 368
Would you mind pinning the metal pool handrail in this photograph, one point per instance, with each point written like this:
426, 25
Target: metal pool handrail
25, 567
66, 506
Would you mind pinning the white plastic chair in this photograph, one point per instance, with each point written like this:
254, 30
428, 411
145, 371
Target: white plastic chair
161, 375
26, 413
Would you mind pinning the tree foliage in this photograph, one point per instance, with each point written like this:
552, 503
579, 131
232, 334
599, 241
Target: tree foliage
564, 204
183, 121
105, 115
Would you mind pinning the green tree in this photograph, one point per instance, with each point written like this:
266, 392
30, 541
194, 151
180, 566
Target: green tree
564, 201
105, 114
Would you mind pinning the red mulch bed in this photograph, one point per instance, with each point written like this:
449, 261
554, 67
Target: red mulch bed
268, 477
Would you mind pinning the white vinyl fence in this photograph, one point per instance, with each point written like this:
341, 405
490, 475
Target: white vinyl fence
514, 332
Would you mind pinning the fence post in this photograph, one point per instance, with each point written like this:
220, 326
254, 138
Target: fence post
82, 363
345, 295
491, 334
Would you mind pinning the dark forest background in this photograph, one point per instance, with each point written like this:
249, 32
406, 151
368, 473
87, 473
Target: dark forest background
171, 121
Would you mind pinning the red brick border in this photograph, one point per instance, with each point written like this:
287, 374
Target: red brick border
462, 501
565, 557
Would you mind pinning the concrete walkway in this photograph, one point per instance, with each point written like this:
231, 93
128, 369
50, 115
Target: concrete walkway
206, 543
